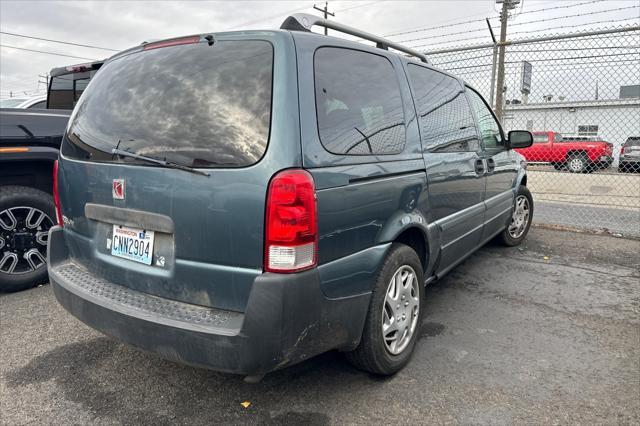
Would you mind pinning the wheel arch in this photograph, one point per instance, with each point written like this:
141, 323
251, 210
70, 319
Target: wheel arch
577, 151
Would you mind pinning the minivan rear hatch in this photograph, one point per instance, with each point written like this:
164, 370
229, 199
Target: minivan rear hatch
193, 234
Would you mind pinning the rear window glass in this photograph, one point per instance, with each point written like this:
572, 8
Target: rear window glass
197, 105
632, 142
65, 89
358, 103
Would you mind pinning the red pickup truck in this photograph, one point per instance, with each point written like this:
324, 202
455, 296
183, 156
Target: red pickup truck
578, 155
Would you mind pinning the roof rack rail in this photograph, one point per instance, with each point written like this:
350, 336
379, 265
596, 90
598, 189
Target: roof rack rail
304, 22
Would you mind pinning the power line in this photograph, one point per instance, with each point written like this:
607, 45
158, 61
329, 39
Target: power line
479, 39
560, 7
358, 5
555, 18
57, 41
47, 53
417, 30
606, 21
520, 23
443, 35
516, 32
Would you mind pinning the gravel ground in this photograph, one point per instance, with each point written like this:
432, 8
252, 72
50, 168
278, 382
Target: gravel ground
545, 333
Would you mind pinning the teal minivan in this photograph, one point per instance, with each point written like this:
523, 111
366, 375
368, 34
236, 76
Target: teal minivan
243, 201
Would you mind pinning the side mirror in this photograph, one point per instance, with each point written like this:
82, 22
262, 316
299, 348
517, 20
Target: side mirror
519, 139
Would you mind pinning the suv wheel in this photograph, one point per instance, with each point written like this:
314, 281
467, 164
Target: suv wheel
521, 217
395, 314
26, 215
577, 163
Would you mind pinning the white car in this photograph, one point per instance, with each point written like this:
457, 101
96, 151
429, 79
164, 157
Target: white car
35, 102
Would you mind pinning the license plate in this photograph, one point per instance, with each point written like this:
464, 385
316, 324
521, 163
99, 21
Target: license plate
132, 243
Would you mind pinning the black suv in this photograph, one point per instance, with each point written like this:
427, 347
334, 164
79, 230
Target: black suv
246, 200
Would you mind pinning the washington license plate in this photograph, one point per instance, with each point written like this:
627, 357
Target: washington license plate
132, 243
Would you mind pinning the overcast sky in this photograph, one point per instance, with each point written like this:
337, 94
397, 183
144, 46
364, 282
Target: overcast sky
122, 24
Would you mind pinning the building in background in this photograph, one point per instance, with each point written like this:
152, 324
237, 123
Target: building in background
612, 120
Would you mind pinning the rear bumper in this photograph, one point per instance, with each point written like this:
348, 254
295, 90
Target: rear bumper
288, 318
629, 164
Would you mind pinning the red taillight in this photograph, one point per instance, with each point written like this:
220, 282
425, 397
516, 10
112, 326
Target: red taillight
291, 225
622, 150
56, 194
174, 42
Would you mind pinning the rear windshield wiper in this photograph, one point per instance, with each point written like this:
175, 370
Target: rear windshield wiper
169, 164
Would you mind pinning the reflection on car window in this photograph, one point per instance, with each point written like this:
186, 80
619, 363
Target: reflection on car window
80, 85
489, 129
196, 104
66, 89
11, 102
446, 121
543, 138
39, 105
358, 103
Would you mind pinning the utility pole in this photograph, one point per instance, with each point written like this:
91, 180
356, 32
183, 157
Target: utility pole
44, 77
504, 15
326, 13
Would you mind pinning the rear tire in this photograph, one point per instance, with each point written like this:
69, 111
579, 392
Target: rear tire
518, 228
21, 199
392, 308
577, 163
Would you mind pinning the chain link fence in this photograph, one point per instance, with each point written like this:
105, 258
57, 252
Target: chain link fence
579, 94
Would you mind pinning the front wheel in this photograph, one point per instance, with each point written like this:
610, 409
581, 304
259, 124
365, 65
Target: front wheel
395, 313
521, 218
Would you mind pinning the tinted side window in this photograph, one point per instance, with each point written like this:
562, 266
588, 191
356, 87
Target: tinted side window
39, 105
489, 128
446, 121
358, 103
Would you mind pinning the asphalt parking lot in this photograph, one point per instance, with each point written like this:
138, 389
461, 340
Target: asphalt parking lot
545, 333
601, 201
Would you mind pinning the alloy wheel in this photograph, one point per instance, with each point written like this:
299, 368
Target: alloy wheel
576, 164
23, 239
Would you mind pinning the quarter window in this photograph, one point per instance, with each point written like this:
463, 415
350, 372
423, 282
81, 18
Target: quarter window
446, 121
358, 103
